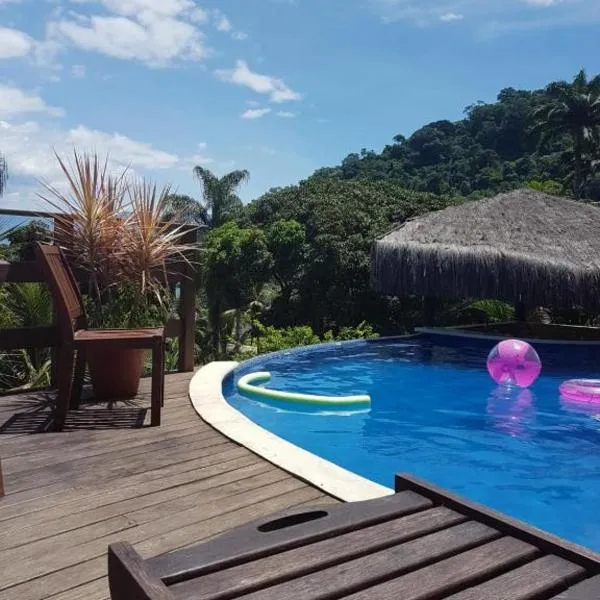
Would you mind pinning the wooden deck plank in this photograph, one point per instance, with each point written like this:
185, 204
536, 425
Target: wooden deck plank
46, 501
70, 494
353, 575
528, 582
159, 485
63, 550
442, 578
65, 520
586, 590
301, 561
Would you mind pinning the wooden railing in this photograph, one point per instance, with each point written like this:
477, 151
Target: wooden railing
182, 327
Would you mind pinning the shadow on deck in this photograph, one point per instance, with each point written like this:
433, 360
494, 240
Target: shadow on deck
108, 477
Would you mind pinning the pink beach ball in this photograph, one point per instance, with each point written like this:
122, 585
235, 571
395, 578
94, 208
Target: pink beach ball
514, 362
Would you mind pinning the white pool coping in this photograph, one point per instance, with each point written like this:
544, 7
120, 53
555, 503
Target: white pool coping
207, 398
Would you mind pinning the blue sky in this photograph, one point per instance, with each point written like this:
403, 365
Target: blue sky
279, 87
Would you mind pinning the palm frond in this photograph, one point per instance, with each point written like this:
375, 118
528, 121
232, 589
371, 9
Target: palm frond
233, 180
150, 243
208, 183
90, 214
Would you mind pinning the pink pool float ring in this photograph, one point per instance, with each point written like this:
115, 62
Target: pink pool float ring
581, 390
514, 362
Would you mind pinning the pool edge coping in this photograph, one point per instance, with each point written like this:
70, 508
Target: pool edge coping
207, 398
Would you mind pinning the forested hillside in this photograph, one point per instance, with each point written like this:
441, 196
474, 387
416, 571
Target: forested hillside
495, 148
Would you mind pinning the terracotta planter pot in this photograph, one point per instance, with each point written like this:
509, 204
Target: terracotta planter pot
115, 372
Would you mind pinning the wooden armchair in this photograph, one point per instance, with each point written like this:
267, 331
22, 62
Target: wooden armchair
75, 338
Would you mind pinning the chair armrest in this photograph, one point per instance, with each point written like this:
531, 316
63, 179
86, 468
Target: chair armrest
131, 578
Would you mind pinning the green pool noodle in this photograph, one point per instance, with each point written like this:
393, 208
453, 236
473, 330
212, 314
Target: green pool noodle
246, 384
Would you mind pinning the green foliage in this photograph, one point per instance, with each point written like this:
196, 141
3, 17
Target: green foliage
220, 201
495, 148
22, 240
125, 307
272, 339
187, 209
25, 305
363, 331
550, 187
236, 264
29, 304
20, 371
573, 111
340, 220
494, 311
285, 240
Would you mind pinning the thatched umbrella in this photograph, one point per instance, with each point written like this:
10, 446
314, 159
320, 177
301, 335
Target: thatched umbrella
521, 247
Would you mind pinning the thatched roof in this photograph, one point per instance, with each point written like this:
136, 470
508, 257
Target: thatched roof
523, 245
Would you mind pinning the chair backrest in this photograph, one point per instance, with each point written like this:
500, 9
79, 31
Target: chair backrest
65, 293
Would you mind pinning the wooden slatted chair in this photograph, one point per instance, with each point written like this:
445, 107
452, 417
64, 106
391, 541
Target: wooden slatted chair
75, 338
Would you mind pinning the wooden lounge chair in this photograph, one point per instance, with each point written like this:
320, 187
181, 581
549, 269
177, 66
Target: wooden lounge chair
420, 543
75, 338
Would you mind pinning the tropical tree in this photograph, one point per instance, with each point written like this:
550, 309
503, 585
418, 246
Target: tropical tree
572, 110
237, 263
220, 202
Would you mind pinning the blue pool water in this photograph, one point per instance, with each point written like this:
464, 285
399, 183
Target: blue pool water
436, 413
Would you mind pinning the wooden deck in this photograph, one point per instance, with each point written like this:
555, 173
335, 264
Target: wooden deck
106, 478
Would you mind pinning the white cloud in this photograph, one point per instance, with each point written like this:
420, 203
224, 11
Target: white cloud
132, 8
14, 101
277, 90
542, 2
120, 148
255, 113
252, 103
152, 40
29, 147
284, 114
78, 71
198, 15
451, 16
14, 43
154, 32
224, 24
428, 12
268, 150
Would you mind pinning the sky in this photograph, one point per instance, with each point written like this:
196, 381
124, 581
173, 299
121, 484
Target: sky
278, 87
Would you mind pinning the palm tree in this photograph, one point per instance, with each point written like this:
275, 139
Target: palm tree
220, 201
572, 110
220, 204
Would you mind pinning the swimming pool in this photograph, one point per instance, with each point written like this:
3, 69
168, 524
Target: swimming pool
436, 413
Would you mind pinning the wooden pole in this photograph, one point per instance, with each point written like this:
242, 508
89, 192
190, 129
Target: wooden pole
187, 311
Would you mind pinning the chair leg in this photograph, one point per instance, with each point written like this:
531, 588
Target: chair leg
78, 380
158, 358
66, 362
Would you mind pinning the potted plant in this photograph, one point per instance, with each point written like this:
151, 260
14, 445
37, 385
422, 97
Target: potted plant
119, 239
